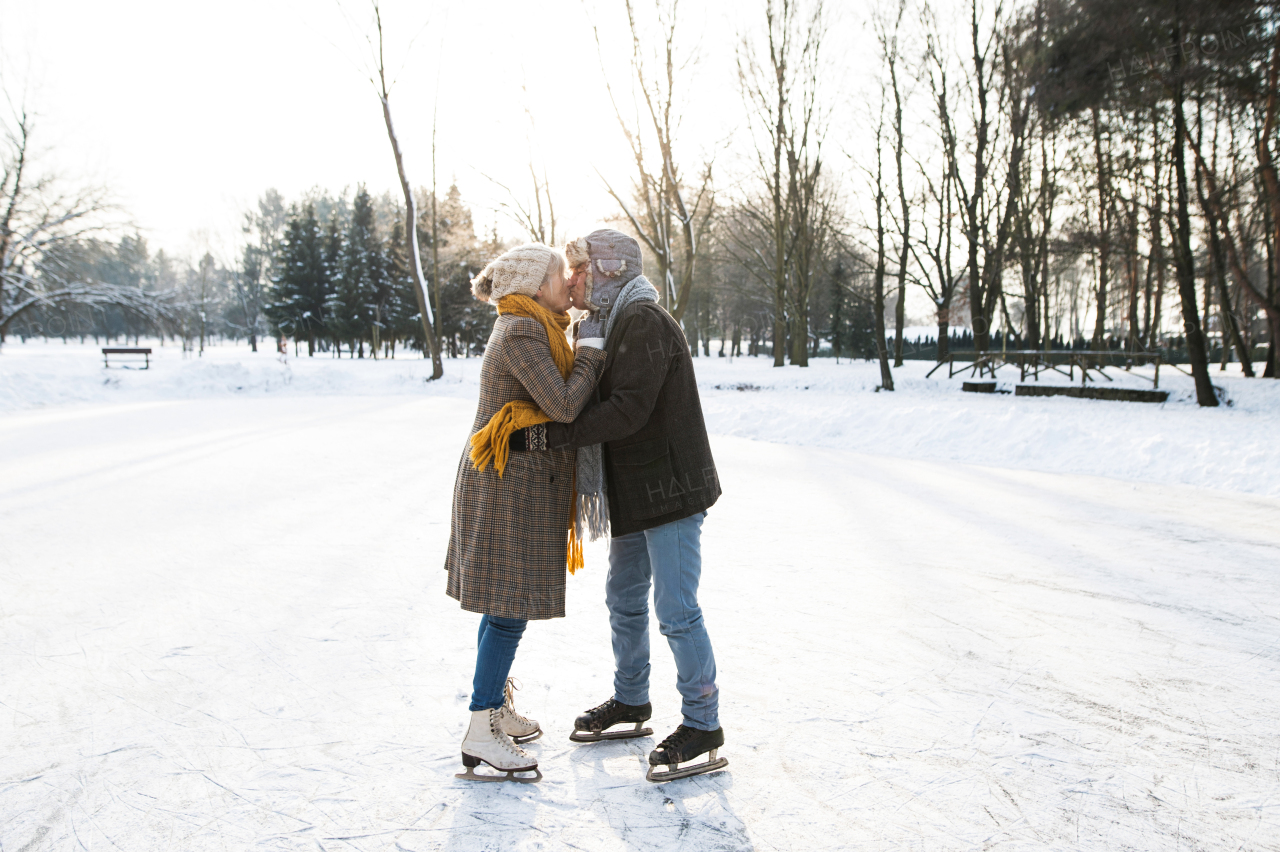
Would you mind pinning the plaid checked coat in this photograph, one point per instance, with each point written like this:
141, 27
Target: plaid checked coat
508, 535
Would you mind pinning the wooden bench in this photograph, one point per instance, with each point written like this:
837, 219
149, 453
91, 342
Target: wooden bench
1033, 362
145, 353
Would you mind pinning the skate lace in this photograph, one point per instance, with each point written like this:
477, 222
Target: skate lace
495, 728
677, 738
601, 710
509, 700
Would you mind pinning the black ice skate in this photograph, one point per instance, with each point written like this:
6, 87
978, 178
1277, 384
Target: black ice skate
683, 745
592, 726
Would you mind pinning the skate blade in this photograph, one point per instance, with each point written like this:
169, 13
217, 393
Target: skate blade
527, 738
472, 775
710, 765
590, 737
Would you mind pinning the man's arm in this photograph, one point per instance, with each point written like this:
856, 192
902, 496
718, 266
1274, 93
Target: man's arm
639, 370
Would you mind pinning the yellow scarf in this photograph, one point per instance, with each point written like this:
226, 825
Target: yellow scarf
491, 443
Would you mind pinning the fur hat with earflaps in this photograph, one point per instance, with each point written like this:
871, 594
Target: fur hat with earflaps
614, 259
520, 270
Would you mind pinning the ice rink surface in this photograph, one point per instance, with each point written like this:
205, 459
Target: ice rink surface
223, 626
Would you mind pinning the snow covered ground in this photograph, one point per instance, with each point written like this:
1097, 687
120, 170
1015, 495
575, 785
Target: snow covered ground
223, 623
826, 405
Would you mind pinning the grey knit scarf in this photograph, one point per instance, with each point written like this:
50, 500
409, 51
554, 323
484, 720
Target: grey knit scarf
593, 501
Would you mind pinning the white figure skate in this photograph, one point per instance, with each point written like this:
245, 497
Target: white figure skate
520, 729
486, 743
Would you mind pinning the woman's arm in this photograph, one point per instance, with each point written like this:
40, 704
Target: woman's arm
528, 354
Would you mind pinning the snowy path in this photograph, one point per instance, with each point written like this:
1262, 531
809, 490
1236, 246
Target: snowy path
222, 626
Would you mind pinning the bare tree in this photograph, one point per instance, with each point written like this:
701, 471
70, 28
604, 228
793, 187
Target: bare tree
938, 277
809, 201
670, 216
536, 216
882, 349
981, 199
891, 56
435, 222
1153, 296
1035, 200
1106, 212
42, 226
779, 85
411, 206
1225, 244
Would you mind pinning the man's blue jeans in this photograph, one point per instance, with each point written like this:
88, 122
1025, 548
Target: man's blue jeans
495, 652
669, 558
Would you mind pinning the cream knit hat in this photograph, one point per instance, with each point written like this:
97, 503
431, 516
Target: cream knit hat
520, 270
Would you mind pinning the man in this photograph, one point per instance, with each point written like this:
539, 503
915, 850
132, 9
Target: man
659, 479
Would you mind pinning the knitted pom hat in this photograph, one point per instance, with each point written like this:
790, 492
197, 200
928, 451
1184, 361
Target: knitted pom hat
615, 259
520, 270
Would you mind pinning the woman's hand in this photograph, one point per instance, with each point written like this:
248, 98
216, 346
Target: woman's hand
591, 331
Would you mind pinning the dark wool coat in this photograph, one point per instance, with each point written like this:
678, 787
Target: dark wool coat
508, 536
649, 417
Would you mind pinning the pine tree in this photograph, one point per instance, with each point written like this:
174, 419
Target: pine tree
402, 321
331, 248
361, 278
299, 289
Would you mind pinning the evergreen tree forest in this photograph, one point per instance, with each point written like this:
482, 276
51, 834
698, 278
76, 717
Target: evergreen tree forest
322, 274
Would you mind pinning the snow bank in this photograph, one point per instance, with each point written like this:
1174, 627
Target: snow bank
827, 405
38, 374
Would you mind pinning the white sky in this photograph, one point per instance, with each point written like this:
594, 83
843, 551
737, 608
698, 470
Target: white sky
188, 111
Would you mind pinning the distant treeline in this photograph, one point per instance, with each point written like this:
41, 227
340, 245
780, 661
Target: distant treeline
328, 273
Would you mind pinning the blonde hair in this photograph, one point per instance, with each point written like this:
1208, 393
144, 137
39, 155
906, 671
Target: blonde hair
557, 264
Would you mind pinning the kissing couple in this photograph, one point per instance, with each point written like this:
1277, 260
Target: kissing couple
584, 429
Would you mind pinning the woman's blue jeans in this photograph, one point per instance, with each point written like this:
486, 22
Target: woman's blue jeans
495, 652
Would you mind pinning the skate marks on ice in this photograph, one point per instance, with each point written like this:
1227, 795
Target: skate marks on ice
1001, 658
247, 646
596, 798
214, 644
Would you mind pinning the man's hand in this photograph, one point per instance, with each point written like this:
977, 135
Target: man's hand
529, 440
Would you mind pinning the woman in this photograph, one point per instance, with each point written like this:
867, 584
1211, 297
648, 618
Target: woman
509, 543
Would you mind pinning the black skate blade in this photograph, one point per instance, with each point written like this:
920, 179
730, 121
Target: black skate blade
472, 775
710, 765
527, 738
592, 737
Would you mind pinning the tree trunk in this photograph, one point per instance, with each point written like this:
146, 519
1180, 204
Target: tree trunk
800, 338
1229, 326
1269, 369
882, 349
899, 143
1183, 258
1272, 369
1104, 233
981, 323
1131, 270
1147, 293
411, 224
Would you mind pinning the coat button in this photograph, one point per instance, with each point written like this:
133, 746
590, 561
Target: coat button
553, 479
